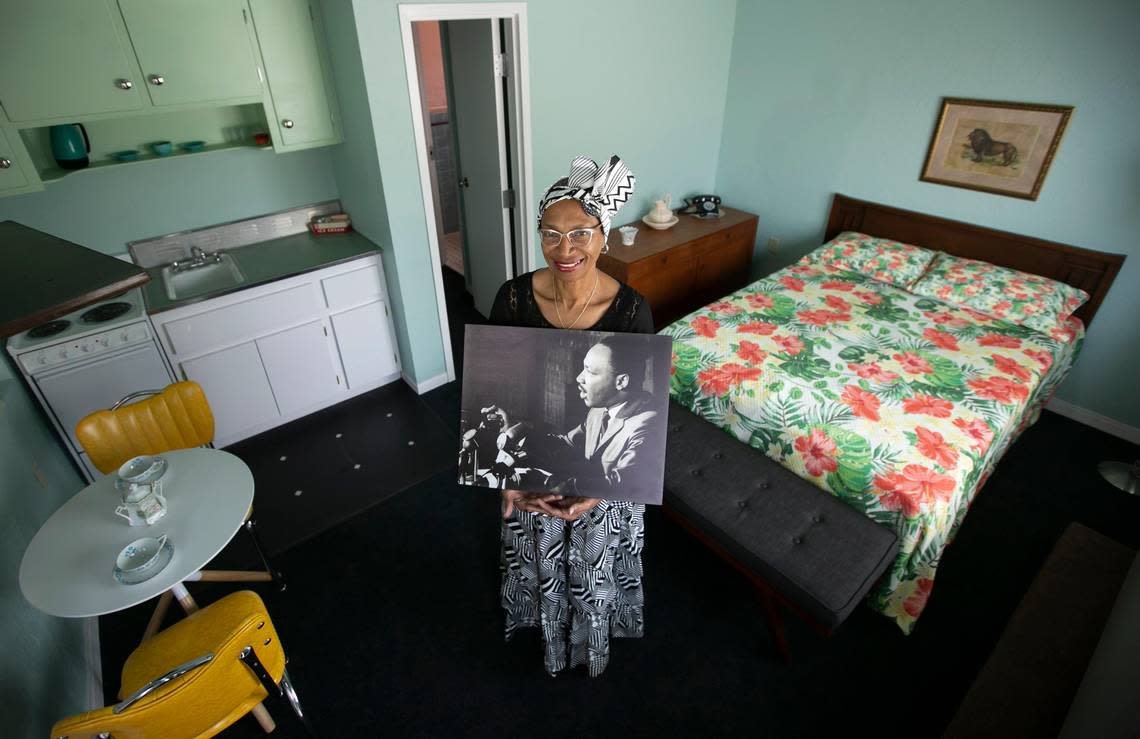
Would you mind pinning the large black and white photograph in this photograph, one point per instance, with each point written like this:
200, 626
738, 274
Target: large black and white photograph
575, 413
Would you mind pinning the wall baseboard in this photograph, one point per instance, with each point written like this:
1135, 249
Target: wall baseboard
94, 659
429, 384
1095, 420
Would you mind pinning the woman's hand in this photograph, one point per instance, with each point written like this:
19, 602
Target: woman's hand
572, 508
529, 502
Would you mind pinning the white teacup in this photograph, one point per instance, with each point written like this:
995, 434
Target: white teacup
142, 559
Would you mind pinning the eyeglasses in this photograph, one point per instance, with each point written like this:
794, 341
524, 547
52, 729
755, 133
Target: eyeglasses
579, 237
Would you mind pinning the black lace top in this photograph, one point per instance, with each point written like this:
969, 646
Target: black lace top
515, 306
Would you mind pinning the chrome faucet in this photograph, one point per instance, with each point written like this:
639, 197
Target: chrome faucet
198, 258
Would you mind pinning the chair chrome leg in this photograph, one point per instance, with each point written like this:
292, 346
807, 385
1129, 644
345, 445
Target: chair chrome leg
278, 578
290, 694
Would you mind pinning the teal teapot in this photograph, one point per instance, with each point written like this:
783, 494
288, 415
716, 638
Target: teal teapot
70, 145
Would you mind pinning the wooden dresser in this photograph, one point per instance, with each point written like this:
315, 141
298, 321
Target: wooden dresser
682, 268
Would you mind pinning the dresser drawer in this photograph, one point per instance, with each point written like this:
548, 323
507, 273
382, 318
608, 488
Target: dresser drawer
673, 262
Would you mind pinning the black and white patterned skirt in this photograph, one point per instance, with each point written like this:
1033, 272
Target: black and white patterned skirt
580, 582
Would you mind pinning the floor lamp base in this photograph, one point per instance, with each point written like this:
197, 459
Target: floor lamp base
1122, 475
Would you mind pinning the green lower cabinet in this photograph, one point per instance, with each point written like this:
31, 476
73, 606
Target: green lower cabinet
17, 175
301, 104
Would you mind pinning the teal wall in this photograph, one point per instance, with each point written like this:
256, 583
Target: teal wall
660, 111
43, 675
830, 96
356, 168
105, 208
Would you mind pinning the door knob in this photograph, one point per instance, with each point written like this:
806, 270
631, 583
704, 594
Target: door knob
287, 122
5, 162
157, 79
125, 84
464, 183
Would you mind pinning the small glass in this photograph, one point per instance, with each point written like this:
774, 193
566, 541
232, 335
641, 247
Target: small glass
628, 234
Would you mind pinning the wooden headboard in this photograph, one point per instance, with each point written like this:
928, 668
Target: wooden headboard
1091, 271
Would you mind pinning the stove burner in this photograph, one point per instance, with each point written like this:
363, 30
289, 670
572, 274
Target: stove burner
104, 312
51, 328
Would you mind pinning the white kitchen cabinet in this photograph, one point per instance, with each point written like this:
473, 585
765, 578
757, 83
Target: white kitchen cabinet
365, 344
299, 364
275, 352
236, 387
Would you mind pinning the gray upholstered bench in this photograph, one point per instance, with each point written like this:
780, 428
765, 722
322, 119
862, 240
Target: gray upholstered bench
798, 544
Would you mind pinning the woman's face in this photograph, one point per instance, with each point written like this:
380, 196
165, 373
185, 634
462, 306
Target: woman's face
569, 262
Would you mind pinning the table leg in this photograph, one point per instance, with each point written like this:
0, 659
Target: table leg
263, 718
183, 595
159, 614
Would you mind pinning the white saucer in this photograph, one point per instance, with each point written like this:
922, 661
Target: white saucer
660, 226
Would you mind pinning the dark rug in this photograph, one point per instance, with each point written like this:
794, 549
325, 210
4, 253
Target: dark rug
392, 624
1028, 683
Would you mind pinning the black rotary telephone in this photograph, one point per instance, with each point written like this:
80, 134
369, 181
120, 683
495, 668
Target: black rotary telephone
703, 206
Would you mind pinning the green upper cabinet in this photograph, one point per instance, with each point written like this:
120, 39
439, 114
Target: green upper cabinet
65, 59
16, 173
193, 52
302, 103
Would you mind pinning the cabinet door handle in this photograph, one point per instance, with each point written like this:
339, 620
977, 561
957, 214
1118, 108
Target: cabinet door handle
157, 80
125, 84
5, 162
287, 122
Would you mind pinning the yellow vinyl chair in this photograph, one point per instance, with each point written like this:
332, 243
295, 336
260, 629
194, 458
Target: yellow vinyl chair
196, 678
153, 422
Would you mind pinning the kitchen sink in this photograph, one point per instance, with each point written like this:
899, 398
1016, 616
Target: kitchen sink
195, 281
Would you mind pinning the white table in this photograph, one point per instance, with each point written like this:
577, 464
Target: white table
67, 568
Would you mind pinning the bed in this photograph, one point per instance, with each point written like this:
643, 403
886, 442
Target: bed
897, 403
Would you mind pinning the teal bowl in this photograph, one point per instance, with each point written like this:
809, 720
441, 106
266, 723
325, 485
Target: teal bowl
192, 145
162, 148
126, 155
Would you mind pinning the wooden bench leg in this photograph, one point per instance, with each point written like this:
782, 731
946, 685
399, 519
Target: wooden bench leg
775, 624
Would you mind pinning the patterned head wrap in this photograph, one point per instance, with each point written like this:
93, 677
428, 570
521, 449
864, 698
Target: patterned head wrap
601, 191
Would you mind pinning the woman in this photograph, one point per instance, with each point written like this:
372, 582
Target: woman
572, 565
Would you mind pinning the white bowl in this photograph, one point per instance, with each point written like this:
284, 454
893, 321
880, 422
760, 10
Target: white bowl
660, 226
142, 559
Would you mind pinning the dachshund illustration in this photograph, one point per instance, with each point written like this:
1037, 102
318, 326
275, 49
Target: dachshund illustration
984, 145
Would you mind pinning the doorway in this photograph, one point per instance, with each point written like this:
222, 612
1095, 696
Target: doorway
468, 87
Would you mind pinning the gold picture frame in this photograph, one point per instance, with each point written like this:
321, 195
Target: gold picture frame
999, 147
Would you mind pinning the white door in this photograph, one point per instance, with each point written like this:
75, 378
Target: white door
236, 388
300, 367
365, 345
477, 113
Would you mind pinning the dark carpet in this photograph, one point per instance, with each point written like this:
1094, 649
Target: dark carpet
1027, 685
392, 624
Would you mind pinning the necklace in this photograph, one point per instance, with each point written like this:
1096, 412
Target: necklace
558, 297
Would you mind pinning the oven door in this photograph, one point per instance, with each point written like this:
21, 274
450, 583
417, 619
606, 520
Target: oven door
73, 392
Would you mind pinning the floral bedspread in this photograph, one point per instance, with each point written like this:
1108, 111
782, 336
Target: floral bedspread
898, 404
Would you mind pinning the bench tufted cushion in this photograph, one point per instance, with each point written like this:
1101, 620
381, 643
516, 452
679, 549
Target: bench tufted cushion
816, 551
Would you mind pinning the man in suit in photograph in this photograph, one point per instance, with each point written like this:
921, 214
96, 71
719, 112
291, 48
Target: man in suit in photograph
618, 435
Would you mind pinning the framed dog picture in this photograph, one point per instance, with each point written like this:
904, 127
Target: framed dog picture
1003, 148
572, 413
